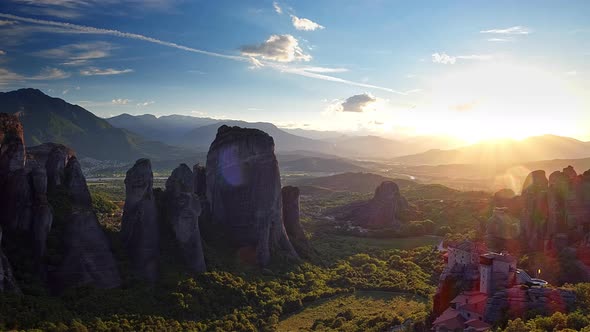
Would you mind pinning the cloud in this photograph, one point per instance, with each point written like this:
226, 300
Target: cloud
571, 73
120, 101
6, 22
78, 54
305, 24
281, 48
104, 72
2, 52
7, 76
277, 8
500, 39
324, 70
446, 59
61, 27
358, 103
146, 103
50, 74
443, 58
515, 30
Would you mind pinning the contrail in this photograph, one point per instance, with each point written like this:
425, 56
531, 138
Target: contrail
99, 31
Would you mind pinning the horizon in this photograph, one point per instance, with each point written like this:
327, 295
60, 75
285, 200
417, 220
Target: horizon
475, 77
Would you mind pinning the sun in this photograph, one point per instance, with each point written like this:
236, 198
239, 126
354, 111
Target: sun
495, 101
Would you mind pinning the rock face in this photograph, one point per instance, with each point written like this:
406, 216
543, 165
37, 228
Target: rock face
244, 189
535, 209
200, 174
36, 185
516, 302
184, 209
7, 281
556, 209
87, 256
139, 228
290, 196
382, 211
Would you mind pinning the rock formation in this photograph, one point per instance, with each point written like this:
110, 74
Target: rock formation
382, 211
87, 256
290, 196
43, 193
200, 174
184, 209
555, 210
7, 281
244, 189
139, 227
535, 209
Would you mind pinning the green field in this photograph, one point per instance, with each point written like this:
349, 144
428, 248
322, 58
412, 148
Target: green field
361, 311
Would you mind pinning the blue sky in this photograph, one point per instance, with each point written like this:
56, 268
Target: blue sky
474, 69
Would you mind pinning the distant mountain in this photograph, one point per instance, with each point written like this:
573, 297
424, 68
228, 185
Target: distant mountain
504, 152
313, 134
48, 119
167, 128
311, 164
201, 138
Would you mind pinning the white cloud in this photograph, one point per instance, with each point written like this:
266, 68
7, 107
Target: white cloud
281, 48
2, 52
120, 101
277, 8
515, 30
50, 74
78, 54
6, 22
443, 58
305, 24
146, 103
572, 73
358, 103
324, 70
7, 76
446, 59
103, 72
501, 40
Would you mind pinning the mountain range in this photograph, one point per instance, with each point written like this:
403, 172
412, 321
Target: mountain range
178, 137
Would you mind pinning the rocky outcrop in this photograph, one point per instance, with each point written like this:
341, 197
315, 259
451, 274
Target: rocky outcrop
200, 174
517, 301
290, 196
44, 194
244, 189
7, 281
382, 211
535, 211
87, 257
139, 227
184, 209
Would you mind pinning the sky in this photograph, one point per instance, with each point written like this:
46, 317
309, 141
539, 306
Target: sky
474, 70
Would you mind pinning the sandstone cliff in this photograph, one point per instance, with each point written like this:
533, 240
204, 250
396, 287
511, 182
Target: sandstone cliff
290, 196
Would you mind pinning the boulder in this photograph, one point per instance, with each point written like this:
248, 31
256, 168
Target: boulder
244, 189
184, 209
290, 197
139, 228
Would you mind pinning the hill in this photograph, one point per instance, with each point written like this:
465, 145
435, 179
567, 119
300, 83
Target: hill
311, 164
48, 119
504, 152
355, 182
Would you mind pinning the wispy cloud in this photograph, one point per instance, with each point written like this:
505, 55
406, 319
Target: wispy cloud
146, 103
120, 101
104, 72
78, 54
62, 27
515, 30
46, 74
305, 24
277, 8
500, 39
281, 48
2, 52
446, 59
